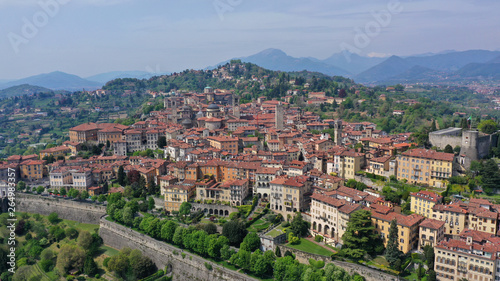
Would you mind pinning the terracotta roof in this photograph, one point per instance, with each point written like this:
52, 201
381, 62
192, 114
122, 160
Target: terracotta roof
427, 195
433, 224
429, 154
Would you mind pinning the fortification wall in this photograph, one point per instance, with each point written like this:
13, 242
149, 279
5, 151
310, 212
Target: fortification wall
440, 141
483, 146
368, 273
189, 267
66, 209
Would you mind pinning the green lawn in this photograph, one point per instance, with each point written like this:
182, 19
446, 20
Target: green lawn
259, 225
309, 247
276, 231
81, 226
109, 251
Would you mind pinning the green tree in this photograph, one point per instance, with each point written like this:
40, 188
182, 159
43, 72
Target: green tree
151, 203
162, 142
53, 218
225, 252
73, 193
168, 230
448, 149
70, 257
121, 176
184, 210
90, 267
84, 195
101, 198
392, 252
178, 236
490, 176
84, 239
128, 216
40, 189
488, 126
299, 226
235, 231
429, 255
252, 241
62, 191
143, 267
359, 237
278, 252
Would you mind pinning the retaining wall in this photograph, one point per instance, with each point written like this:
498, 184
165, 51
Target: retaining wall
191, 267
66, 209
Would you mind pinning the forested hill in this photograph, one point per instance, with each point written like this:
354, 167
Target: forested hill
243, 77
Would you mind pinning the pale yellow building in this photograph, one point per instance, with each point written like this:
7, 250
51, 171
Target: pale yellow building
423, 201
178, 193
425, 167
408, 227
431, 232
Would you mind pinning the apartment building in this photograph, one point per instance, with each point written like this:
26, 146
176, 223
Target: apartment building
408, 227
238, 190
224, 143
467, 259
58, 151
431, 232
178, 193
423, 201
32, 170
425, 167
348, 163
477, 214
263, 177
290, 195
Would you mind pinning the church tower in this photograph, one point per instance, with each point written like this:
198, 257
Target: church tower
278, 117
338, 132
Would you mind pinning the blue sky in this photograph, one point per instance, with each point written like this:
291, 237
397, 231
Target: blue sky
86, 37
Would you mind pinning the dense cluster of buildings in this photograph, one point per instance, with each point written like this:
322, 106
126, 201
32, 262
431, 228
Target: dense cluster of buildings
212, 149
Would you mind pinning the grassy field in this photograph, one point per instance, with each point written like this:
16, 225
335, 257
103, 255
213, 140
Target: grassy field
259, 225
309, 247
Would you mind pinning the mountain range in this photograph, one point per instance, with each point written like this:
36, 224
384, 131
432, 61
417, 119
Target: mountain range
429, 67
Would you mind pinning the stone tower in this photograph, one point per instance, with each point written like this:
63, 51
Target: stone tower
236, 107
278, 117
338, 132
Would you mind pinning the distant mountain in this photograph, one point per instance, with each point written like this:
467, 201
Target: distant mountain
353, 63
56, 81
460, 65
103, 78
384, 70
21, 90
416, 73
480, 70
453, 61
274, 59
495, 60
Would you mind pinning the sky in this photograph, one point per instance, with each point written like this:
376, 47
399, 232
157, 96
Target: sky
87, 37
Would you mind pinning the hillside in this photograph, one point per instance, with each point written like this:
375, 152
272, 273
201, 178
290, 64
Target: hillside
56, 81
21, 90
275, 59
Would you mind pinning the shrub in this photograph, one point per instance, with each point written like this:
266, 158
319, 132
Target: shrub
105, 261
318, 238
97, 276
285, 224
208, 266
183, 255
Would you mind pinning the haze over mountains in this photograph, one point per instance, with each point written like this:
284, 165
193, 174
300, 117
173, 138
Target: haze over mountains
444, 66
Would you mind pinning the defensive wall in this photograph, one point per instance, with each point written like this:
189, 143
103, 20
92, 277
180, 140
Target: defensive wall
84, 212
189, 267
